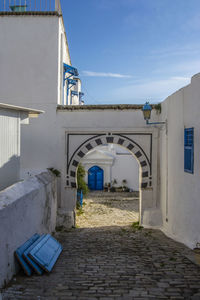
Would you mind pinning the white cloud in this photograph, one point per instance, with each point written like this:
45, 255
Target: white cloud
175, 51
188, 68
103, 74
179, 78
154, 90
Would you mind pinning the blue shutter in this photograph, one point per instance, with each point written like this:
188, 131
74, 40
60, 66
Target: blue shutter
46, 252
34, 266
19, 252
189, 150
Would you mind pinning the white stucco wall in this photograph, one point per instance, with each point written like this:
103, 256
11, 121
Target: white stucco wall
11, 120
31, 74
28, 77
9, 147
126, 167
180, 190
63, 57
26, 208
28, 59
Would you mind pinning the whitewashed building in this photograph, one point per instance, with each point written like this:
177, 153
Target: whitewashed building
180, 164
118, 167
11, 120
35, 69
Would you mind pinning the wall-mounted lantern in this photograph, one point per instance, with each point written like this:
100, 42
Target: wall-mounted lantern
146, 109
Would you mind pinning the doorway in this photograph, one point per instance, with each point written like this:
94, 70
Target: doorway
95, 178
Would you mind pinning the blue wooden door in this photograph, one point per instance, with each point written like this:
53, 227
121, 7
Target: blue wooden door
91, 179
95, 178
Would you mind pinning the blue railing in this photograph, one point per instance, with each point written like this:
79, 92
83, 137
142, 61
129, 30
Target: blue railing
30, 5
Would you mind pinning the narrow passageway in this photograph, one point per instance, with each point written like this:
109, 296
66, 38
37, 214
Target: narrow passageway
108, 209
113, 263
103, 259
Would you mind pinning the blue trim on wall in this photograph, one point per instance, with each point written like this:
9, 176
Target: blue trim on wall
189, 150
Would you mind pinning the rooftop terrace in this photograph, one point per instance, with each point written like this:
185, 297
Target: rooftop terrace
10, 7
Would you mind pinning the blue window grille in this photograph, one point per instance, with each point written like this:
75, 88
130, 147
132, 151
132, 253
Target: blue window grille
189, 150
80, 97
68, 73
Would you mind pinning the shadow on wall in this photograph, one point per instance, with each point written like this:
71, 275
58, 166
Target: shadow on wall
10, 172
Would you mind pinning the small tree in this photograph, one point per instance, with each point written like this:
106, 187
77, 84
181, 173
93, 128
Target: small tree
80, 179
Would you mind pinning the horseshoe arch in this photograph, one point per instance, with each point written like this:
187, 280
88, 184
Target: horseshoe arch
121, 140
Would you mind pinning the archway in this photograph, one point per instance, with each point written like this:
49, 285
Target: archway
139, 144
117, 204
142, 144
95, 178
131, 145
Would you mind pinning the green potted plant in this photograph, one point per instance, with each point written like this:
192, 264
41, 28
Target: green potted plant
113, 188
106, 187
124, 183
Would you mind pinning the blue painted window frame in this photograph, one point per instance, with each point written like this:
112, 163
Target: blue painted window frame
189, 150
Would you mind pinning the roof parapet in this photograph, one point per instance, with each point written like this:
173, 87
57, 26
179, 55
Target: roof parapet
32, 113
25, 7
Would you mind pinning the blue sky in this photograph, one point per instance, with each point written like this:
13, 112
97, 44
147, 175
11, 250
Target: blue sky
130, 51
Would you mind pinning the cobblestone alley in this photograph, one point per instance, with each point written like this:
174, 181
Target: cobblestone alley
113, 262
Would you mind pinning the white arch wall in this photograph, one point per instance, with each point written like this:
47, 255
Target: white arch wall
142, 143
83, 123
119, 139
126, 167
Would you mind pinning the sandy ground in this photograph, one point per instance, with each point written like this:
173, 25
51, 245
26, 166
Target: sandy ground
108, 209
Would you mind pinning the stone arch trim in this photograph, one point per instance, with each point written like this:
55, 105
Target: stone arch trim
118, 139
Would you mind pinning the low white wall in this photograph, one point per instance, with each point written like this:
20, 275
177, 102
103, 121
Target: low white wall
26, 208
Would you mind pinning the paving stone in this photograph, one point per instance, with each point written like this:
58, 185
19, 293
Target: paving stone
113, 262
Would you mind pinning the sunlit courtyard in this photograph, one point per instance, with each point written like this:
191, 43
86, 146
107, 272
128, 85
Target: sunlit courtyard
108, 209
